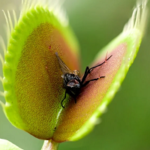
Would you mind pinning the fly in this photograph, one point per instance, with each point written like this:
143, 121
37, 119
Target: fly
72, 83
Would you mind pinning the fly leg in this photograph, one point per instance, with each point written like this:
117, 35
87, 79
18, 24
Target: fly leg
63, 99
100, 64
72, 95
87, 82
88, 71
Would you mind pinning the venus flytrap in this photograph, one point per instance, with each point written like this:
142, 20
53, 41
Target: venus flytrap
6, 145
32, 77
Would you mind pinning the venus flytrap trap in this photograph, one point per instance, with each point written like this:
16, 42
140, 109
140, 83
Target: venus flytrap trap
33, 87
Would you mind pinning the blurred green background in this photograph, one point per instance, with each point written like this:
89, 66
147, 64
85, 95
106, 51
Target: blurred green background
126, 125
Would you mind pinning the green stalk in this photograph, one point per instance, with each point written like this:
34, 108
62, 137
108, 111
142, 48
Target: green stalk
50, 145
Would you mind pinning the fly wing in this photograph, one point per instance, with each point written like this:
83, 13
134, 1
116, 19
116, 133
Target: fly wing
62, 65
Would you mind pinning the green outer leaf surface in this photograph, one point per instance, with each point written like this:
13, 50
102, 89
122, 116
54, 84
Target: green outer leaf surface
6, 145
26, 25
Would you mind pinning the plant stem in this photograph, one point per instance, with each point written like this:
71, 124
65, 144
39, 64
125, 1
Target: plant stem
50, 145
